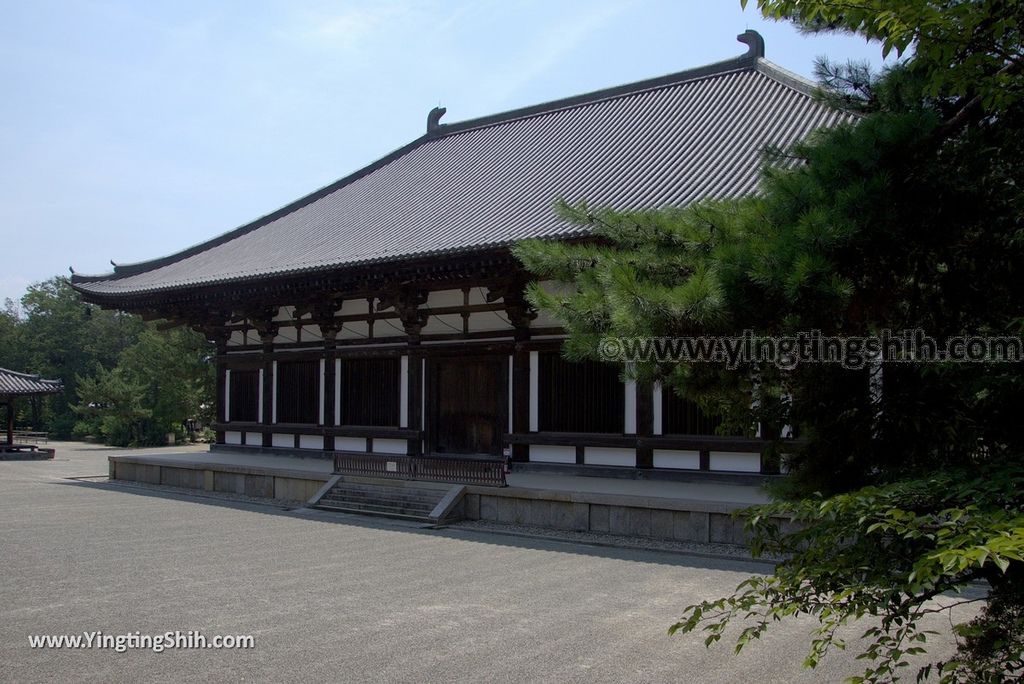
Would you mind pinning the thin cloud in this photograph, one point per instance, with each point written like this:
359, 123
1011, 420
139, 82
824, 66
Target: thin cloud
550, 47
353, 28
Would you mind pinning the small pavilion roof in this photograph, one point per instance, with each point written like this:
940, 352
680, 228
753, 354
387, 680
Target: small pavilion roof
14, 384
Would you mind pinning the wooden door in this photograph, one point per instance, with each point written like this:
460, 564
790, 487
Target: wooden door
468, 405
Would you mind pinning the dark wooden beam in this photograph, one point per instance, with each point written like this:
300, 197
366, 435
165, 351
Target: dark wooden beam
268, 331
414, 400
329, 328
574, 439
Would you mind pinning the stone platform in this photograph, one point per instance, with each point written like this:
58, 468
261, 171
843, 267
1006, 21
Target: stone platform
684, 511
24, 452
265, 477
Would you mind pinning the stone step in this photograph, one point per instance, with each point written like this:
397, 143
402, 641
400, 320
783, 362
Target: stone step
376, 489
372, 509
425, 508
339, 508
383, 496
397, 501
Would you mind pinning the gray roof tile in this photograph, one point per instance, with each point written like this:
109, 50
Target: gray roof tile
493, 181
13, 383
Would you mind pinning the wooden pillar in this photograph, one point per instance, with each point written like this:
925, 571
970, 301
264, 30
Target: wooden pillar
267, 410
644, 423
521, 314
330, 347
414, 397
10, 421
221, 398
407, 303
521, 398
214, 331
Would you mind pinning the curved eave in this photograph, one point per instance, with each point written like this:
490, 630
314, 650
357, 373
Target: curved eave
106, 297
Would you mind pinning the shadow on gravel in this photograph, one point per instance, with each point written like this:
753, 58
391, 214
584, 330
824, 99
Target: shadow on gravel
467, 535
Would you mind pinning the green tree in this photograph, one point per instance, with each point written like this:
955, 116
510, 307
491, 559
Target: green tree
111, 406
909, 218
58, 336
159, 382
133, 383
968, 50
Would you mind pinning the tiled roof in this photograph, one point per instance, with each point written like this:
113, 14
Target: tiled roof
491, 182
16, 384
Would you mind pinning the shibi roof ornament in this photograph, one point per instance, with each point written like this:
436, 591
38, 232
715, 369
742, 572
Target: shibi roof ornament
434, 119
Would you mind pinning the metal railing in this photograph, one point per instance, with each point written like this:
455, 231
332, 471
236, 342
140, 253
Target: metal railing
30, 437
461, 470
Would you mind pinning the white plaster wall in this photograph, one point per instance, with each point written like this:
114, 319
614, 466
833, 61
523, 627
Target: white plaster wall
253, 439
349, 444
273, 392
311, 333
286, 335
629, 419
237, 338
352, 307
677, 459
322, 389
444, 298
390, 446
656, 406
285, 441
227, 395
609, 456
736, 461
403, 392
478, 295
284, 313
445, 324
488, 320
232, 437
337, 391
535, 391
360, 330
311, 442
552, 454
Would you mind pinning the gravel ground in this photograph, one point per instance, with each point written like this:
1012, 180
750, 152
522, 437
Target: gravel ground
348, 598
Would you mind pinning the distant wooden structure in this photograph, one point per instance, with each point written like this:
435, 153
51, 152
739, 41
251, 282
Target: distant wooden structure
14, 385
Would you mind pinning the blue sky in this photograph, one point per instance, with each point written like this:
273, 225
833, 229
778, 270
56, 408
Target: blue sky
130, 130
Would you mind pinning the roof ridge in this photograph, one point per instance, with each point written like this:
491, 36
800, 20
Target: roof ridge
746, 62
789, 78
751, 60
